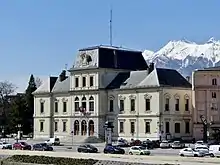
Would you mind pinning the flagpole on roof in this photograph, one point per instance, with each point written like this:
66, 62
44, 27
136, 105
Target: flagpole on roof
110, 29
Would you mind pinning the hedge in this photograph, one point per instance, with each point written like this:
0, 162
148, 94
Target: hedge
50, 160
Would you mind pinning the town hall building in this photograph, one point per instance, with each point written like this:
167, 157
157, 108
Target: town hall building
116, 85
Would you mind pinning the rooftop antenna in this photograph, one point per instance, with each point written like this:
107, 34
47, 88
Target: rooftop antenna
110, 29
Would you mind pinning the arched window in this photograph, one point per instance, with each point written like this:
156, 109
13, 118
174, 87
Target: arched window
83, 128
84, 102
91, 128
91, 104
76, 127
76, 104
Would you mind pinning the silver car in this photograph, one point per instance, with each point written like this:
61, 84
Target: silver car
177, 145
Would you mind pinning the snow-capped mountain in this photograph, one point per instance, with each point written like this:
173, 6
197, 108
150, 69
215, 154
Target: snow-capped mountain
186, 56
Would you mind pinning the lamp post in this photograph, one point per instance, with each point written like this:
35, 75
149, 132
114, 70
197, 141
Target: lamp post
205, 128
19, 132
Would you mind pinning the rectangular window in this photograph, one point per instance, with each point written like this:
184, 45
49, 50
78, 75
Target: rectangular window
84, 81
147, 127
56, 107
121, 105
167, 127
76, 106
177, 105
91, 81
177, 127
41, 107
213, 95
167, 105
76, 82
64, 126
132, 127
55, 126
187, 105
64, 106
121, 127
111, 105
41, 126
214, 81
187, 127
132, 104
147, 106
91, 106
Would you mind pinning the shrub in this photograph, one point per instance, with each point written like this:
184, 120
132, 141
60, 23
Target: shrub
93, 139
50, 160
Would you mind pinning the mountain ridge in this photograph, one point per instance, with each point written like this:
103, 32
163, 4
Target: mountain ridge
186, 56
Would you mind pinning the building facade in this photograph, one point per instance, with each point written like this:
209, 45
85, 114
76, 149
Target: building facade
206, 103
116, 85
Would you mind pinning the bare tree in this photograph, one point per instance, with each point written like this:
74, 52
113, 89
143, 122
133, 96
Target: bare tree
38, 82
6, 89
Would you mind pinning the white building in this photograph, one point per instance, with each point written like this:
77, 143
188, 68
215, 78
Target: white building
115, 85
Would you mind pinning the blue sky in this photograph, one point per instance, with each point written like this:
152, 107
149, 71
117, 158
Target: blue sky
41, 36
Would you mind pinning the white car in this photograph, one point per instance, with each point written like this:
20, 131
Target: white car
165, 144
5, 145
200, 143
203, 149
190, 152
53, 141
139, 150
214, 150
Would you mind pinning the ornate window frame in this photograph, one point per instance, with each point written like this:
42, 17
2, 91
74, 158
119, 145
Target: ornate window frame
177, 96
64, 99
186, 96
132, 97
121, 97
147, 96
42, 101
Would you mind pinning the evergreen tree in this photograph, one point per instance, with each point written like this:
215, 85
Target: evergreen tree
28, 127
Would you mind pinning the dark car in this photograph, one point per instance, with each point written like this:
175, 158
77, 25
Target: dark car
21, 146
148, 144
42, 147
135, 143
87, 148
123, 143
113, 150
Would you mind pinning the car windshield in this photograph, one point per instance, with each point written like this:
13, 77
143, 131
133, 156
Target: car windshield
142, 148
5, 143
90, 146
202, 148
43, 144
57, 139
23, 143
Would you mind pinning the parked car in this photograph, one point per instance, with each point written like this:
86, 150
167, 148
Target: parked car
5, 145
156, 143
135, 143
177, 145
200, 143
148, 144
214, 150
165, 144
21, 146
123, 143
113, 150
42, 147
87, 148
139, 150
203, 149
53, 141
190, 152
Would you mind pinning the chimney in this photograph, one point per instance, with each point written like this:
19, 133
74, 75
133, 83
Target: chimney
188, 78
62, 76
151, 67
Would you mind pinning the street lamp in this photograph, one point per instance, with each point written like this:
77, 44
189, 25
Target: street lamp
205, 128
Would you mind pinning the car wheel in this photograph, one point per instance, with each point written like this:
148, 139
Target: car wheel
79, 150
105, 152
141, 153
212, 155
195, 155
182, 155
130, 153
